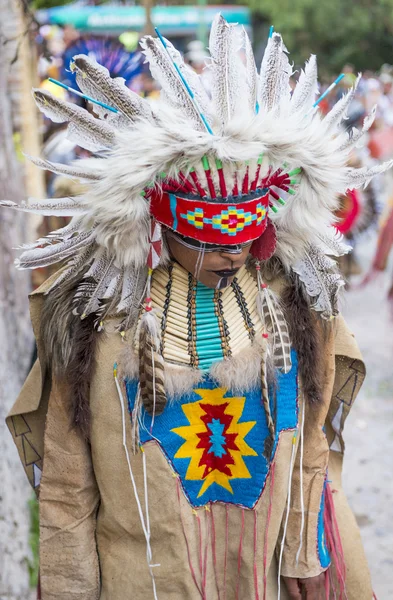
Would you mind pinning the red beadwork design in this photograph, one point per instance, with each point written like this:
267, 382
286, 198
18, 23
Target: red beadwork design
210, 459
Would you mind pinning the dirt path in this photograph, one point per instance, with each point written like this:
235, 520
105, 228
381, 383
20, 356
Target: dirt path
368, 469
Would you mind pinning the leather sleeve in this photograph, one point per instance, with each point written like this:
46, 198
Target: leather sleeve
322, 435
69, 500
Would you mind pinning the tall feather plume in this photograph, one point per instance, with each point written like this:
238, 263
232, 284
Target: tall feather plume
151, 365
339, 110
275, 74
273, 318
306, 89
87, 131
223, 47
193, 80
163, 71
95, 81
251, 74
67, 170
60, 207
319, 275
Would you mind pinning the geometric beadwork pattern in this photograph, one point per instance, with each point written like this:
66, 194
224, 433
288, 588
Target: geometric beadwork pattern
231, 220
214, 439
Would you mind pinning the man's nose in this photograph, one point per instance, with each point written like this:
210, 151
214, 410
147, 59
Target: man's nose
234, 255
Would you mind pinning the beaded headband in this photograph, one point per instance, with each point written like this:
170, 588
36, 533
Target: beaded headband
235, 221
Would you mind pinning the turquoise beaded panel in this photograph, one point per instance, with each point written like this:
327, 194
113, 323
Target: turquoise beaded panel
207, 331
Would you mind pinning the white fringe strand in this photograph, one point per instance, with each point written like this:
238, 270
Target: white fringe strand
145, 524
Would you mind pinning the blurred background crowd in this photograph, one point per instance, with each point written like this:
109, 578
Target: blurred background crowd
37, 41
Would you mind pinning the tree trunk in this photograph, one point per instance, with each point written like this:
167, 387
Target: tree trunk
16, 343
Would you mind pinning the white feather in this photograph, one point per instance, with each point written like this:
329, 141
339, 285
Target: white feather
61, 207
316, 271
306, 89
275, 75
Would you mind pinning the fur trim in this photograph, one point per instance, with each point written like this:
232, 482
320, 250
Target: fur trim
239, 373
70, 353
180, 381
308, 333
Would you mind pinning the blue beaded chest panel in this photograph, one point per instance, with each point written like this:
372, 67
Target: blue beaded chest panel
214, 439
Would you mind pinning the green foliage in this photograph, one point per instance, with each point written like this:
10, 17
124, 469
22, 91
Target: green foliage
34, 536
41, 4
338, 31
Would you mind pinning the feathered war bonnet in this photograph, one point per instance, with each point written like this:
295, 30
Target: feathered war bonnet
251, 161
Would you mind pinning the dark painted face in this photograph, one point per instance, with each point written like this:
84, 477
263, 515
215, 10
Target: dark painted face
215, 269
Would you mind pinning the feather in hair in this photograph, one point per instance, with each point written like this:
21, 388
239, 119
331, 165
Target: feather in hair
151, 365
133, 280
319, 275
275, 74
95, 80
275, 323
87, 131
70, 351
59, 235
269, 442
306, 89
223, 47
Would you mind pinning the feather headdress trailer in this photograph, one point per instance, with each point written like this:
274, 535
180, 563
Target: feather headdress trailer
250, 134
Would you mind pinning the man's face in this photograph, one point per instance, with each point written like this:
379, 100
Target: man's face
214, 269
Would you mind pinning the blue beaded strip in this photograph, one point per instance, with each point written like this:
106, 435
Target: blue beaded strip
207, 330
